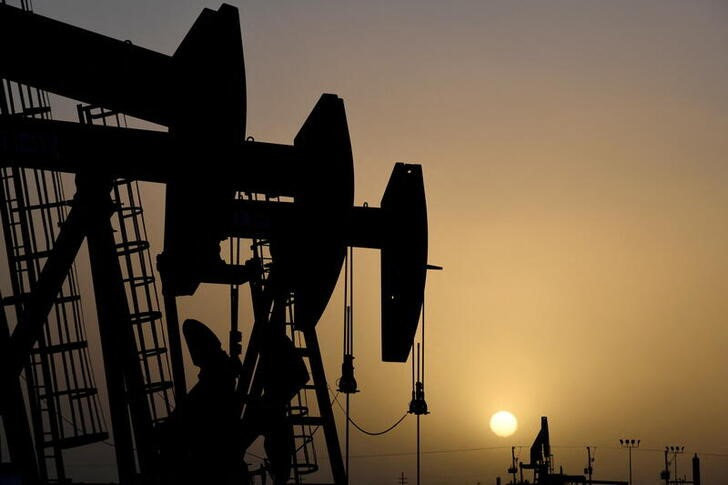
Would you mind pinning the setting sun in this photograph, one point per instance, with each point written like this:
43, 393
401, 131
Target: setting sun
503, 423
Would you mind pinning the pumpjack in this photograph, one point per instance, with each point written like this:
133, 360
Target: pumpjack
541, 463
294, 204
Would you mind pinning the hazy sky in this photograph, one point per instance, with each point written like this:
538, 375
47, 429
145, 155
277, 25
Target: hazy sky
574, 155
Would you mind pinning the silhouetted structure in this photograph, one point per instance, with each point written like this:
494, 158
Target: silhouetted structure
673, 477
200, 440
294, 202
696, 469
542, 464
629, 444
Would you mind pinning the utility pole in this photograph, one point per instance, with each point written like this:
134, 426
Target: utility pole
665, 474
513, 469
402, 479
589, 468
629, 444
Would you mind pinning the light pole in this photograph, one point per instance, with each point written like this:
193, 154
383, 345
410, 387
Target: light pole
674, 451
629, 444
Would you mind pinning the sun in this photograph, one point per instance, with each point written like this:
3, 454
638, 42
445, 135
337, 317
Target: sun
503, 423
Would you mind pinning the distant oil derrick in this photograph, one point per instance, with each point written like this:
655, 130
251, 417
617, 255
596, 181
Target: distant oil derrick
542, 466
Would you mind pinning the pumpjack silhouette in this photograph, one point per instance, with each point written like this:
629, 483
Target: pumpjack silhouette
541, 463
293, 205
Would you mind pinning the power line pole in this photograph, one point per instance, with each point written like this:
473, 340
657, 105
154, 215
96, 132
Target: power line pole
513, 468
402, 479
589, 468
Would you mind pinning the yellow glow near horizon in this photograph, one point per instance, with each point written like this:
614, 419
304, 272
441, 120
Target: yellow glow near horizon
503, 423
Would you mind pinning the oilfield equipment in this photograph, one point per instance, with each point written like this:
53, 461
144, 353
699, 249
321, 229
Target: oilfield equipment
671, 476
542, 465
292, 204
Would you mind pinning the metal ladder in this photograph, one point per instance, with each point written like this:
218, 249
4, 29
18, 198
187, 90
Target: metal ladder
132, 248
304, 410
62, 394
303, 421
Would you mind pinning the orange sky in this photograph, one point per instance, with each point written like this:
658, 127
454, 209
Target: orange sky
574, 155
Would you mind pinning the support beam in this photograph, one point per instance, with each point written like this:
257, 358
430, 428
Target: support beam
15, 420
70, 61
42, 297
175, 344
362, 227
124, 378
324, 402
144, 155
262, 299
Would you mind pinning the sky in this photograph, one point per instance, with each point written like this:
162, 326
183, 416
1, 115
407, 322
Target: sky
574, 155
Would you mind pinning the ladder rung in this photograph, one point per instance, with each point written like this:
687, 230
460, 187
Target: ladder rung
64, 347
306, 468
12, 300
47, 205
306, 420
101, 114
144, 317
298, 411
131, 247
158, 386
137, 281
68, 299
36, 110
71, 393
127, 212
34, 255
81, 440
153, 352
